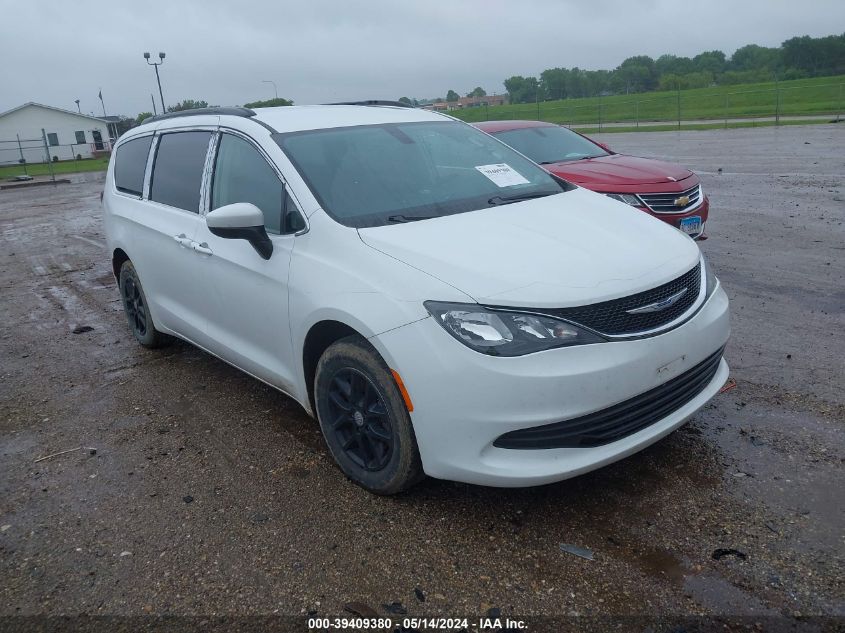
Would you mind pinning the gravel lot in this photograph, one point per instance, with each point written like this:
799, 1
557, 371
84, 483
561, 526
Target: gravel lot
211, 494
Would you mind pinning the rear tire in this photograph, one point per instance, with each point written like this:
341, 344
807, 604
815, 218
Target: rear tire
364, 419
137, 310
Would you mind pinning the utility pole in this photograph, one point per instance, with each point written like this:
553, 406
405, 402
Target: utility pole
154, 104
22, 161
47, 151
600, 104
270, 81
158, 78
678, 84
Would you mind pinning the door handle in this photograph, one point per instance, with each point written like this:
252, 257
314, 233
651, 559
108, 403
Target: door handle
202, 248
183, 240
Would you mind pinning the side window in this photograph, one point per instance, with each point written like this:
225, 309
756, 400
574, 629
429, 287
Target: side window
130, 165
177, 172
52, 139
80, 136
242, 174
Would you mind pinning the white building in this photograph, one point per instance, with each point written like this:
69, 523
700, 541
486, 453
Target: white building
69, 135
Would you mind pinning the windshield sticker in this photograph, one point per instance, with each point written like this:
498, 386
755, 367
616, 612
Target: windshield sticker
503, 175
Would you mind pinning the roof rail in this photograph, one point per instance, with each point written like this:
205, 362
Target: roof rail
244, 112
374, 102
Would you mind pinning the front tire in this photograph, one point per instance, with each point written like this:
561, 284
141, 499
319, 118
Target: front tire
364, 419
137, 309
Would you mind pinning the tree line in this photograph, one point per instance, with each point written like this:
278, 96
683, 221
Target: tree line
193, 104
796, 58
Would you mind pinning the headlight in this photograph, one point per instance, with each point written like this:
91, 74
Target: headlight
502, 333
627, 198
709, 278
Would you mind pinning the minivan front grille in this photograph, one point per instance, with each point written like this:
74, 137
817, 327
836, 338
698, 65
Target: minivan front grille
620, 420
623, 317
673, 202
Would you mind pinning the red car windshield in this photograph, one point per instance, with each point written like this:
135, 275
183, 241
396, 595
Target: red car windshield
550, 144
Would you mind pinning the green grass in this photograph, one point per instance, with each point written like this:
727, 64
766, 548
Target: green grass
61, 167
821, 95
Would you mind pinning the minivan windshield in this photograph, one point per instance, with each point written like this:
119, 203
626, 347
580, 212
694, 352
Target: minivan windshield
548, 144
372, 175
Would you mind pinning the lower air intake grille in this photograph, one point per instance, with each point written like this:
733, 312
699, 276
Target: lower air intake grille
620, 420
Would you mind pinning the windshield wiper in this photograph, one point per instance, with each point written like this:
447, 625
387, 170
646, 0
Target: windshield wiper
409, 218
567, 160
497, 200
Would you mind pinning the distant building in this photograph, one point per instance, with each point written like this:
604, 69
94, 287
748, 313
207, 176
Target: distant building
469, 102
69, 134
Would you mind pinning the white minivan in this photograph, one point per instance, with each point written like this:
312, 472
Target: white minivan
440, 303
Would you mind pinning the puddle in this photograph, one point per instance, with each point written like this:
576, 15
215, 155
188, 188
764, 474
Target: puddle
763, 444
717, 595
663, 565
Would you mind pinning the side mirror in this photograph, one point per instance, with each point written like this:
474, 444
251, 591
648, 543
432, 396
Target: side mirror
241, 221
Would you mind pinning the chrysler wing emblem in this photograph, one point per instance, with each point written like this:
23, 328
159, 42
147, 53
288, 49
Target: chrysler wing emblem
657, 306
682, 201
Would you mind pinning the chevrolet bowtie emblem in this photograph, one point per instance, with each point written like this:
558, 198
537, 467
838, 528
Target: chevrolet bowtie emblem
682, 201
657, 306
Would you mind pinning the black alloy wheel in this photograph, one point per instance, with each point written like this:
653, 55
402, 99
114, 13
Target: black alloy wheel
135, 306
365, 419
359, 419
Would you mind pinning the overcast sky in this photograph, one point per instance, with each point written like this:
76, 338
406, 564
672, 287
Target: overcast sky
56, 51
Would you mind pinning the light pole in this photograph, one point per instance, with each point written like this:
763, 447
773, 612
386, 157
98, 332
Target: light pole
76, 101
158, 79
270, 81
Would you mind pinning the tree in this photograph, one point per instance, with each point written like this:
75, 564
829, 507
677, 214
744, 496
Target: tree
710, 61
636, 74
478, 92
406, 101
269, 103
523, 89
452, 96
815, 56
673, 64
753, 57
553, 82
187, 104
144, 115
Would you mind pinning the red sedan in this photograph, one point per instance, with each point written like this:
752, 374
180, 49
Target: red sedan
669, 192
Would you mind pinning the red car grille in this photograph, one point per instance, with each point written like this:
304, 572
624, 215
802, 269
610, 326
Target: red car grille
673, 202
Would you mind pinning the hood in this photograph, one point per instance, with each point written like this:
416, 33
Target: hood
617, 169
564, 250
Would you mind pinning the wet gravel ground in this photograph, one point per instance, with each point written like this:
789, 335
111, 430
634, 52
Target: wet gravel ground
201, 491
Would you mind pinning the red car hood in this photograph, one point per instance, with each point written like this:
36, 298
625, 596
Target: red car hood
617, 169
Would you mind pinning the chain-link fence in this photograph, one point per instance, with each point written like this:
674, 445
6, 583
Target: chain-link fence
23, 152
20, 154
725, 107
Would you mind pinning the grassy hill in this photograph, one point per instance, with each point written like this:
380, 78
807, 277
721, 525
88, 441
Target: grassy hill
820, 95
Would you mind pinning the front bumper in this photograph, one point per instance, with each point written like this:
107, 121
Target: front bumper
464, 400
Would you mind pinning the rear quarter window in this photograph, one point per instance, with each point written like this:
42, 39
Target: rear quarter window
130, 165
177, 172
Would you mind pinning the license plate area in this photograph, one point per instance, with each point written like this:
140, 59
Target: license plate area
691, 225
